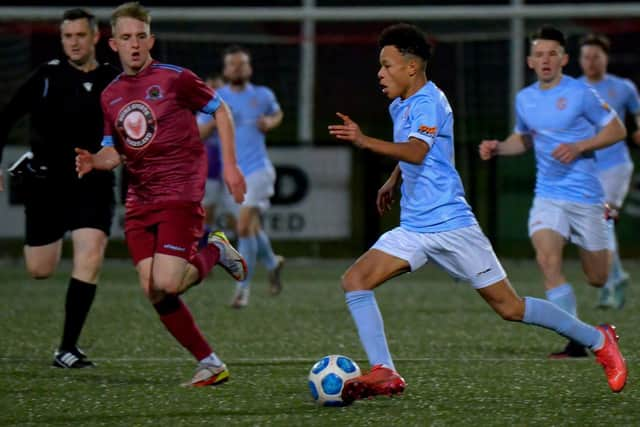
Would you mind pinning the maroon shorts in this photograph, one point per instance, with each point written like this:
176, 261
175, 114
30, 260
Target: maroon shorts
171, 229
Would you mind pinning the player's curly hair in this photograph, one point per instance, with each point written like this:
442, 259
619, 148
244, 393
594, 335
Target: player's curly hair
408, 39
130, 10
549, 32
599, 40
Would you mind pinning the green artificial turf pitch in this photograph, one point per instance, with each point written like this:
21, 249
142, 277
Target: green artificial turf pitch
463, 364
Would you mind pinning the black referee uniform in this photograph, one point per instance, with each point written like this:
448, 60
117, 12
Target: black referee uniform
64, 105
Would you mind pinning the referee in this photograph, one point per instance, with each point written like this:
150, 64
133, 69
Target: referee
63, 100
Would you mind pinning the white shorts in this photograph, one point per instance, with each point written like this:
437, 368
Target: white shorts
216, 193
465, 253
615, 183
581, 224
260, 188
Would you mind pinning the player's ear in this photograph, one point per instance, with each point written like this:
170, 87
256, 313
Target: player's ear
413, 67
152, 41
112, 44
530, 62
565, 59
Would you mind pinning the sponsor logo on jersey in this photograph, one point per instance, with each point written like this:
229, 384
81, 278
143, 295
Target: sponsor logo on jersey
561, 103
154, 92
137, 124
428, 130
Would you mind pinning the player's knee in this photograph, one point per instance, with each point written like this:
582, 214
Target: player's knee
40, 271
597, 278
166, 285
244, 230
513, 311
548, 262
352, 281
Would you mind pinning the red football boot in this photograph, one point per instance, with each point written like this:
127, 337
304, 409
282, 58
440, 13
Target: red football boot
379, 381
609, 356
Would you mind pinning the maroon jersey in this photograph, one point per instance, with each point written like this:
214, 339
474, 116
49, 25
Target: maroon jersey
149, 118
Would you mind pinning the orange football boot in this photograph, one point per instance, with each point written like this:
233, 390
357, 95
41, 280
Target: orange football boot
378, 381
609, 356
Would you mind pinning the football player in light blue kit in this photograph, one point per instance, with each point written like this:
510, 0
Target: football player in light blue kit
613, 163
255, 112
436, 223
217, 200
564, 120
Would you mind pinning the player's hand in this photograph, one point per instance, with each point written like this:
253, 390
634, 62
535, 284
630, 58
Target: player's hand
385, 197
84, 162
488, 148
235, 182
566, 153
349, 131
636, 137
264, 124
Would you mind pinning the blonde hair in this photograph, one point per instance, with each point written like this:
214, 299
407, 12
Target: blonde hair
130, 10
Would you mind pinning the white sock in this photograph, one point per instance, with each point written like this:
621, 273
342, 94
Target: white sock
212, 359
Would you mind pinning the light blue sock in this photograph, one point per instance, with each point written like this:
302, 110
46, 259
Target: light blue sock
248, 248
265, 252
563, 297
616, 273
547, 315
368, 320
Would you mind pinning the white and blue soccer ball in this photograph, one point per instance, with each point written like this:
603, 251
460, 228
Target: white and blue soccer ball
327, 378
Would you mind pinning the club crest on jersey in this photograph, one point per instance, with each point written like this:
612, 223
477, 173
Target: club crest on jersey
137, 124
154, 92
561, 103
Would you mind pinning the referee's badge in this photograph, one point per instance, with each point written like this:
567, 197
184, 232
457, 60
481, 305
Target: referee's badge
88, 86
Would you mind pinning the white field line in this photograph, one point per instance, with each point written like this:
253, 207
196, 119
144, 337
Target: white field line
284, 360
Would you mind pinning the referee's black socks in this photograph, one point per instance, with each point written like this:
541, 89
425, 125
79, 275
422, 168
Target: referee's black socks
80, 296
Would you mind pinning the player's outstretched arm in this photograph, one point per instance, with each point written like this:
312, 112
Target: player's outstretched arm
230, 171
105, 159
386, 193
413, 151
514, 145
613, 132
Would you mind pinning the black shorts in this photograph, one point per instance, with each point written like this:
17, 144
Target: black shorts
54, 206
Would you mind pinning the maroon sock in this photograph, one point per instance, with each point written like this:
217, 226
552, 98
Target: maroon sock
178, 320
204, 260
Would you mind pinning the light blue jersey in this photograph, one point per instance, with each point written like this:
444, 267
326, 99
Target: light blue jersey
566, 113
432, 194
622, 95
247, 106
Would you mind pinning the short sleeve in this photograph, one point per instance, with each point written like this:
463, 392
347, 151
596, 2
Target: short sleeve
598, 112
194, 94
633, 100
272, 105
520, 126
424, 121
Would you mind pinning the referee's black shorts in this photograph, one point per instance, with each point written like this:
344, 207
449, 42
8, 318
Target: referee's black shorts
54, 206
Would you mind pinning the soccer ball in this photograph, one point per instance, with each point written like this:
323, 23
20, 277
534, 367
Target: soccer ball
327, 377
